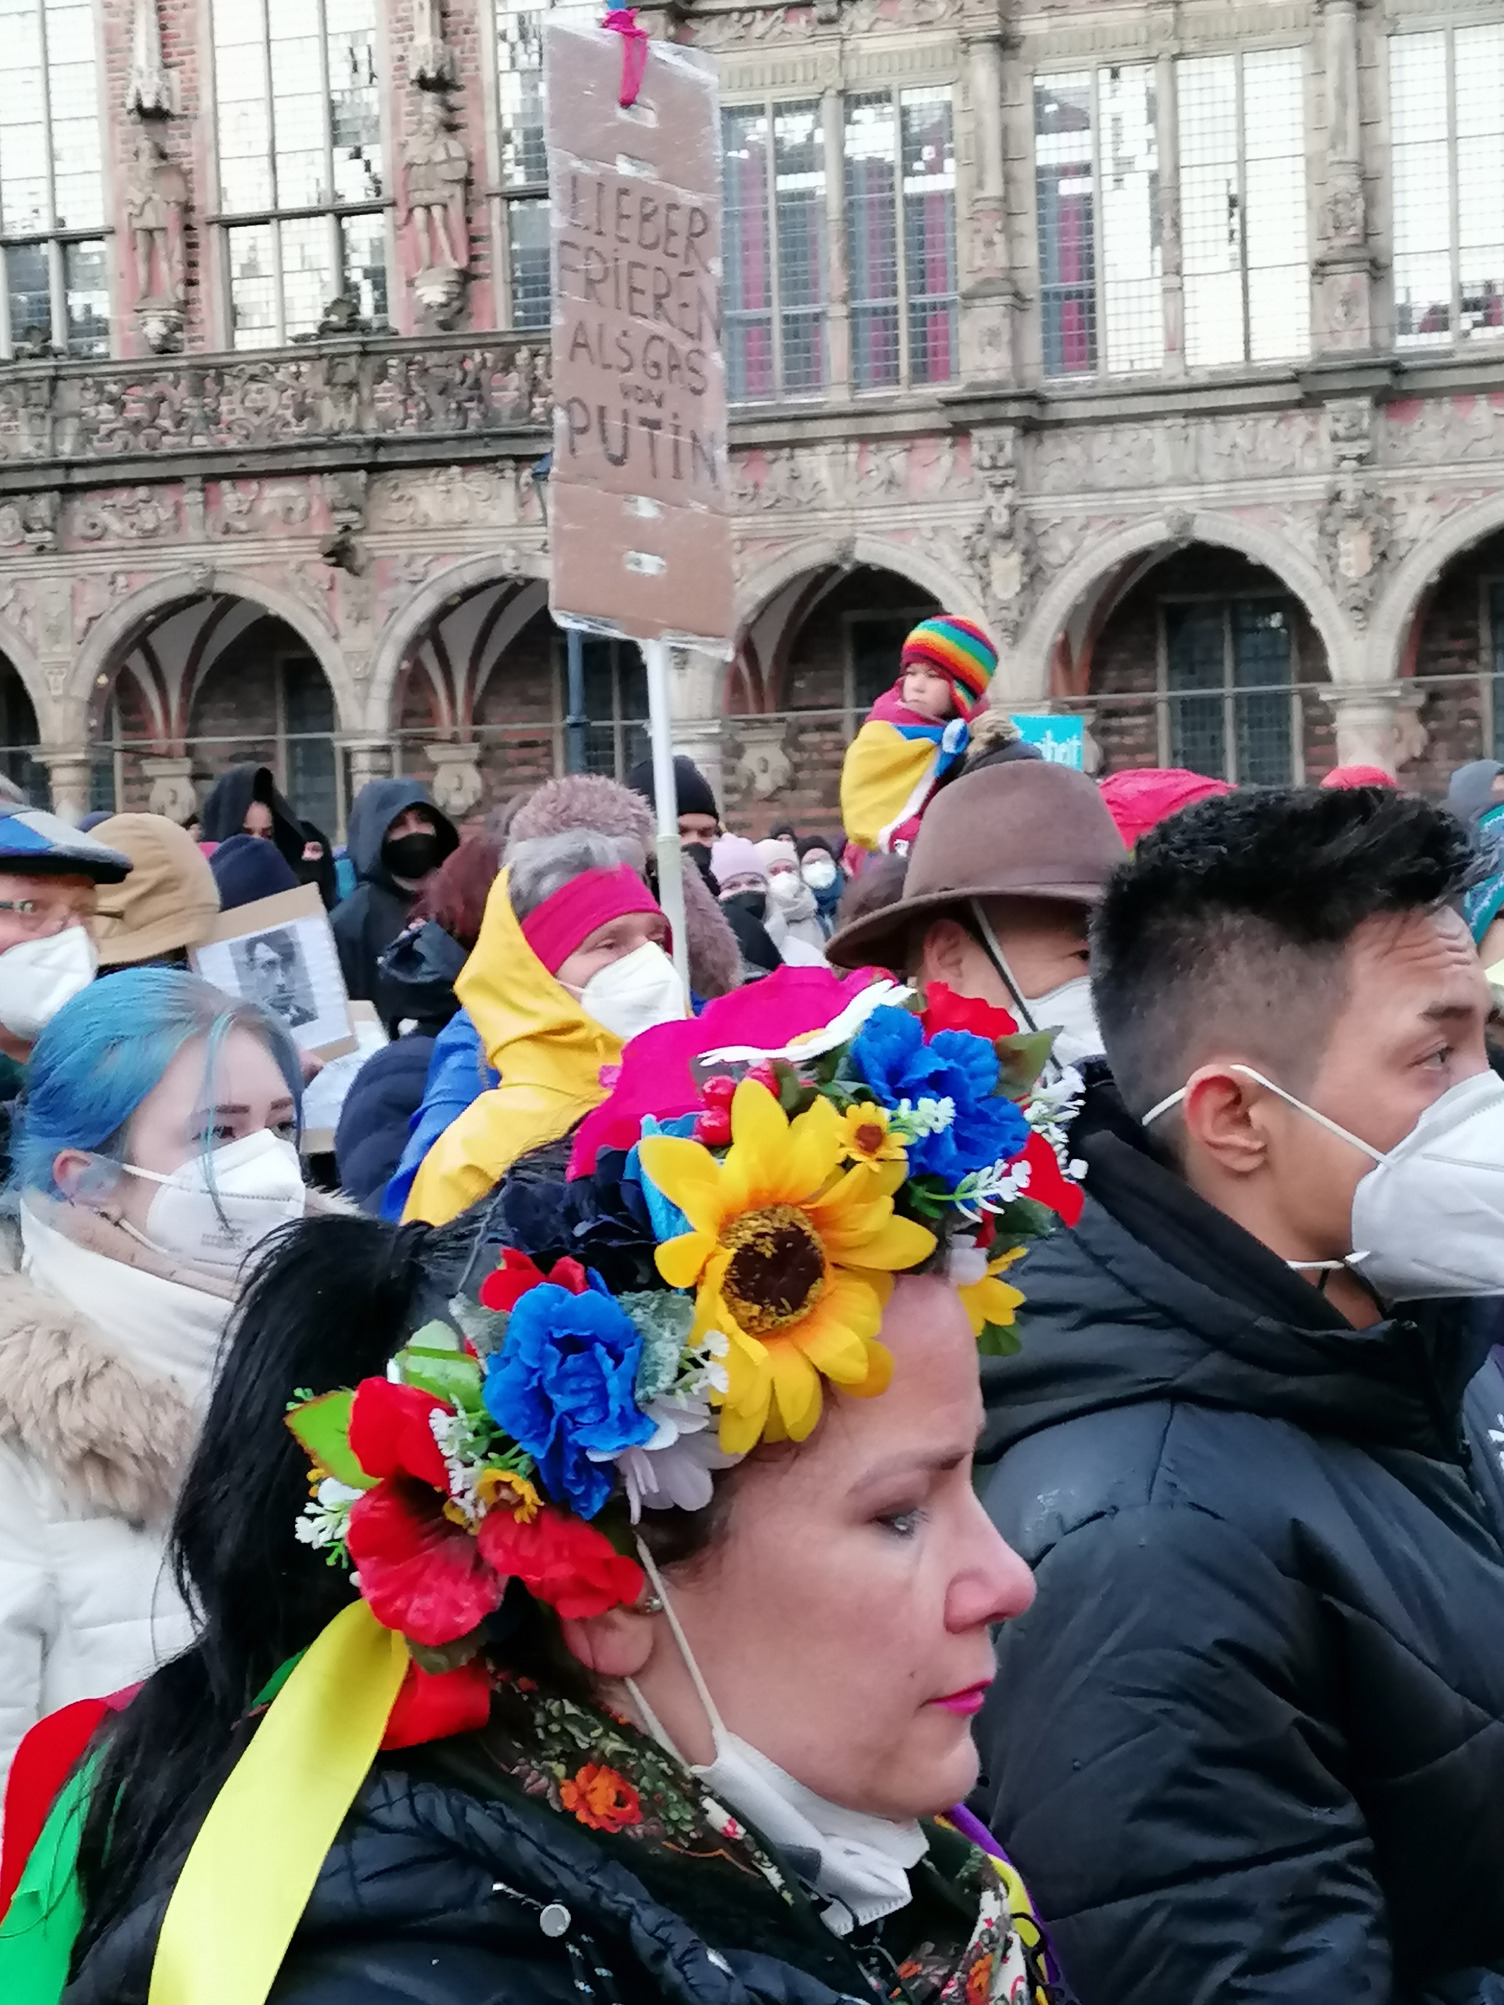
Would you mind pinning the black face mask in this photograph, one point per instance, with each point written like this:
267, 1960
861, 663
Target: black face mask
699, 854
753, 902
412, 856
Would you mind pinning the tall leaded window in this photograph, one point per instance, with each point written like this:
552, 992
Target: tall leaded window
51, 181
524, 163
616, 704
1446, 107
302, 179
1229, 673
897, 178
1243, 207
1096, 174
773, 248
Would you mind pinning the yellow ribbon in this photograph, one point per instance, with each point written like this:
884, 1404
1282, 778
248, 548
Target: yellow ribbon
247, 1879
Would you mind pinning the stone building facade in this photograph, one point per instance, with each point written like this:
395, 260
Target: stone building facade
1163, 337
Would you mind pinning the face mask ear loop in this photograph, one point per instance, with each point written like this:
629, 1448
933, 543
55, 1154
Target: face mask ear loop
1332, 1127
1000, 961
712, 1713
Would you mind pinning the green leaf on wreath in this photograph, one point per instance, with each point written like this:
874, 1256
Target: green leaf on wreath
322, 1428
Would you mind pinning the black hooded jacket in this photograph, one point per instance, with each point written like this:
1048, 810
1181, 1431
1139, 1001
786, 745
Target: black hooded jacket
228, 800
369, 920
1249, 1741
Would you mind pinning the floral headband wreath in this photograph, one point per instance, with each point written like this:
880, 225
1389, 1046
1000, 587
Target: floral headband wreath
723, 1247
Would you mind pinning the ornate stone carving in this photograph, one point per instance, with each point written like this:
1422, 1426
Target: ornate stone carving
431, 211
453, 497
457, 784
172, 791
126, 515
1350, 429
347, 492
18, 613
93, 596
30, 521
1001, 546
1440, 429
263, 507
1353, 537
882, 471
763, 766
792, 477
1344, 213
751, 26
156, 198
430, 60
309, 584
1237, 446
151, 90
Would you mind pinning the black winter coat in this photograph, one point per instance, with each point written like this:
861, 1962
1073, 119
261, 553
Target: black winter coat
370, 919
1248, 1744
450, 1884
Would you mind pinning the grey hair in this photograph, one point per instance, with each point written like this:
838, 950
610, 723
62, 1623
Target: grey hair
544, 864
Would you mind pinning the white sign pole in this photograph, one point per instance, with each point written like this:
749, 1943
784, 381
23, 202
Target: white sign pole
666, 794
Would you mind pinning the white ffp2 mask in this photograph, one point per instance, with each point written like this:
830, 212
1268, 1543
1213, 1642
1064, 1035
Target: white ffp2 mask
1071, 1014
38, 976
631, 995
1428, 1218
214, 1211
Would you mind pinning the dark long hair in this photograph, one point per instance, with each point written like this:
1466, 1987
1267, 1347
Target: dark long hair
328, 1306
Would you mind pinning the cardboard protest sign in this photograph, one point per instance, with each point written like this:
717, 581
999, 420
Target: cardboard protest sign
638, 510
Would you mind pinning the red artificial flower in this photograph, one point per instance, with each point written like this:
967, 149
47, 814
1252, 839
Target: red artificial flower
561, 1560
1047, 1185
391, 1432
945, 1010
419, 1572
601, 1798
435, 1705
504, 1288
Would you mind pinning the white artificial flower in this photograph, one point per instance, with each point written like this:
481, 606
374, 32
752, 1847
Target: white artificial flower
326, 1514
911, 1120
966, 1263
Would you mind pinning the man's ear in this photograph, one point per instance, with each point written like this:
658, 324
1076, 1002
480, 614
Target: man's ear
943, 956
1223, 1115
614, 1645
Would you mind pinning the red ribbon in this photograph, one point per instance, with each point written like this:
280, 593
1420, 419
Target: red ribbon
634, 51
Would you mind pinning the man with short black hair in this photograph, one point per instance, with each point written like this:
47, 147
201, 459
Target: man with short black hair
1249, 1741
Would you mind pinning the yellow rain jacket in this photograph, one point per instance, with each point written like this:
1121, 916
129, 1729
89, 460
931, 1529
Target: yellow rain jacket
549, 1055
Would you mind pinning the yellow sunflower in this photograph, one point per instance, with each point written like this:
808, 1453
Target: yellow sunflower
992, 1300
791, 1259
868, 1138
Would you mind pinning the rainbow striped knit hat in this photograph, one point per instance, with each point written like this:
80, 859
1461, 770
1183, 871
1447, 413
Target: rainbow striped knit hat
960, 651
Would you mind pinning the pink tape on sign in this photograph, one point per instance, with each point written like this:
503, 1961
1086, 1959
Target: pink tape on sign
634, 51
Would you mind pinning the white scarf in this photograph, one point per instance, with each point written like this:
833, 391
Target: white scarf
167, 1328
857, 1862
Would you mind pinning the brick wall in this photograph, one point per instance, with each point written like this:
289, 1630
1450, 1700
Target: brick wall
1125, 662
1452, 658
515, 722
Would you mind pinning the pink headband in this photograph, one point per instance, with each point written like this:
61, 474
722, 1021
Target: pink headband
568, 918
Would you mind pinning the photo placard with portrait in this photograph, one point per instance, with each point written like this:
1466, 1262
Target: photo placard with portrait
280, 952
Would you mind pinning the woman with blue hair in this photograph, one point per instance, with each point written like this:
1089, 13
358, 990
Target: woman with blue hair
156, 1146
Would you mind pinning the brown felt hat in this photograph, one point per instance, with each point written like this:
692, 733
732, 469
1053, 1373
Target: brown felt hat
168, 902
1024, 829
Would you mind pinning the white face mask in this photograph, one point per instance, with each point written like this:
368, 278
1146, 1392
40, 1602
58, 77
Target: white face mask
858, 1862
820, 873
631, 995
213, 1212
1069, 1012
788, 887
38, 976
1428, 1218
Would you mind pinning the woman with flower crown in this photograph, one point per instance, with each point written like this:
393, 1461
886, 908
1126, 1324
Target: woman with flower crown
605, 1622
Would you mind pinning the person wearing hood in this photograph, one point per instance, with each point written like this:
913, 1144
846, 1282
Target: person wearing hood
746, 889
1140, 797
169, 902
819, 866
1003, 876
1475, 788
156, 1149
572, 962
1249, 1741
791, 897
245, 800
403, 1098
398, 839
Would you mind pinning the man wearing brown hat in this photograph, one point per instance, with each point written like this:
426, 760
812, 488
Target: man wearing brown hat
1005, 870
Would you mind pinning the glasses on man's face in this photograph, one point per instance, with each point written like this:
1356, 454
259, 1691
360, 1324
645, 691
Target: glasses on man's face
37, 917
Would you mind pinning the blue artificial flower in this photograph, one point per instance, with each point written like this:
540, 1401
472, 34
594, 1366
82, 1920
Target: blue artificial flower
564, 1385
891, 1054
668, 1221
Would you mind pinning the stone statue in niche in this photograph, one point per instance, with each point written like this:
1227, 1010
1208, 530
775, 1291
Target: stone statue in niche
156, 199
431, 210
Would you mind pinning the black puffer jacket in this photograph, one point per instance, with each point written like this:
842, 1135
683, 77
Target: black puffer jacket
1249, 1742
449, 1885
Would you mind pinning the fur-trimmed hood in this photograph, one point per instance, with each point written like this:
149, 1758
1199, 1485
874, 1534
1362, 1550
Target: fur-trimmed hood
115, 1436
